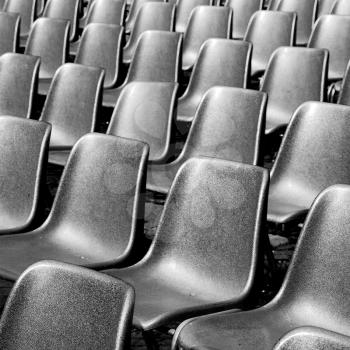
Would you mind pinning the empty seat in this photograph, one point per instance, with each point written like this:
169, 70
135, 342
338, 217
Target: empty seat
59, 306
344, 97
151, 16
306, 12
341, 7
228, 124
97, 216
145, 112
156, 58
313, 155
18, 80
324, 7
71, 107
319, 269
242, 12
100, 46
9, 32
205, 22
183, 12
284, 81
332, 33
267, 31
206, 249
220, 62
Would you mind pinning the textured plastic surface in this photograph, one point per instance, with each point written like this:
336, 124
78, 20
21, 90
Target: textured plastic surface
59, 306
344, 97
284, 81
320, 263
221, 62
9, 32
221, 213
341, 7
314, 155
145, 112
205, 22
228, 124
97, 216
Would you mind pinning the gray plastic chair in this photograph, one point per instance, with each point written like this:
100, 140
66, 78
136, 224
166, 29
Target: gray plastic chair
242, 12
205, 22
40, 5
145, 112
24, 145
324, 7
272, 5
220, 62
100, 46
18, 81
313, 155
151, 16
306, 12
156, 59
284, 81
267, 31
208, 245
97, 216
344, 96
9, 32
331, 32
71, 107
315, 291
59, 306
228, 124
341, 7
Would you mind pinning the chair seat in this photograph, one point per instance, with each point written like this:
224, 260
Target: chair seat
44, 86
160, 177
73, 47
110, 97
59, 157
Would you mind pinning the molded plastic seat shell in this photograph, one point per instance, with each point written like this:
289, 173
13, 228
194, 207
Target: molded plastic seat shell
324, 7
228, 124
320, 263
341, 7
145, 112
59, 306
221, 62
314, 155
272, 5
344, 97
205, 22
220, 215
97, 216
284, 81
9, 32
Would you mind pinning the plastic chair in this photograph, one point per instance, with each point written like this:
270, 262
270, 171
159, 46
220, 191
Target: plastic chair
151, 16
101, 46
228, 124
97, 216
145, 112
242, 12
332, 33
284, 81
59, 306
306, 12
344, 96
207, 248
156, 59
341, 7
273, 4
9, 32
40, 5
320, 263
18, 81
183, 12
267, 31
313, 155
71, 107
324, 7
220, 62
205, 22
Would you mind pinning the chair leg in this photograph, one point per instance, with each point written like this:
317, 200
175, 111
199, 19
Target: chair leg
150, 340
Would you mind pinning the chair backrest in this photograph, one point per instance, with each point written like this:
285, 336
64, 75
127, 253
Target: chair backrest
341, 7
205, 22
306, 12
107, 12
72, 103
9, 32
40, 5
284, 81
64, 9
331, 32
272, 5
59, 306
324, 7
100, 46
25, 9
183, 12
48, 39
145, 112
242, 12
18, 80
344, 96
156, 57
267, 31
